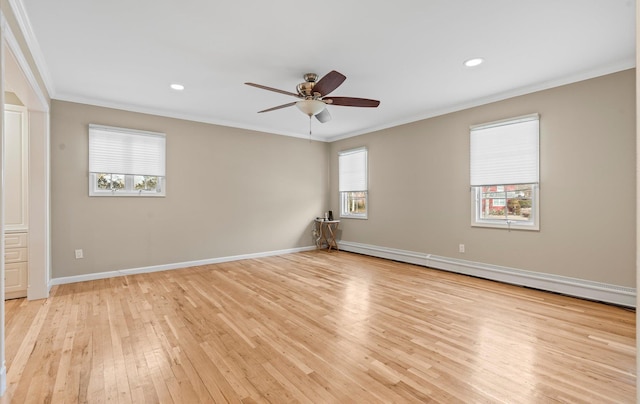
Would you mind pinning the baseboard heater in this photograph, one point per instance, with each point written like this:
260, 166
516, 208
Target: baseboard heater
602, 292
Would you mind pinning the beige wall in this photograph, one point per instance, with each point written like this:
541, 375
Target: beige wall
260, 191
419, 185
229, 192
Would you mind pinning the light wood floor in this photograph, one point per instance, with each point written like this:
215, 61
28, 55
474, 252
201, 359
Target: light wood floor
315, 327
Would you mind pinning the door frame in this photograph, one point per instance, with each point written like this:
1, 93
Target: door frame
16, 75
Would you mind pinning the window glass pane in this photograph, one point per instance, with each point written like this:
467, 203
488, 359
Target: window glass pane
110, 181
508, 202
145, 183
354, 204
519, 201
103, 181
357, 202
117, 181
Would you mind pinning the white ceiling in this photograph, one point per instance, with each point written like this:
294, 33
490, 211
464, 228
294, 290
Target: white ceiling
408, 54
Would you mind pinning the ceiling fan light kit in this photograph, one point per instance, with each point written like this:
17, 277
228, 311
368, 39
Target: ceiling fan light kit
311, 107
313, 95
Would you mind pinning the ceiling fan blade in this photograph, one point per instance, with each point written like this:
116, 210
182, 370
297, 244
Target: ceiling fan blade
323, 116
328, 83
272, 89
352, 102
279, 107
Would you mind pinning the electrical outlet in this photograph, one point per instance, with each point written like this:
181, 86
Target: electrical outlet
461, 248
79, 254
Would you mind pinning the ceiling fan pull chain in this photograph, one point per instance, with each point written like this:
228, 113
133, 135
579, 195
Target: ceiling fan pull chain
309, 127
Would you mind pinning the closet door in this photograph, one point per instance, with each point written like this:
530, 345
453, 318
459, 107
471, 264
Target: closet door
16, 165
16, 154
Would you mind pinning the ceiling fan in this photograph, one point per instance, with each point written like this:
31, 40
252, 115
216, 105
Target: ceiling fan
314, 98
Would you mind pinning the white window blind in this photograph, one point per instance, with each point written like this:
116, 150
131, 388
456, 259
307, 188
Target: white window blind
505, 152
126, 151
352, 170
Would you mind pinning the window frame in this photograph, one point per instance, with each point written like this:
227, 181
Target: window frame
533, 180
344, 194
129, 184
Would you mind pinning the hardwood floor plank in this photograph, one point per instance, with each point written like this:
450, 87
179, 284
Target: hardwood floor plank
315, 327
155, 373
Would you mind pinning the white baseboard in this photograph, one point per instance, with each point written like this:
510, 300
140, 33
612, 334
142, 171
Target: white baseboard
598, 291
166, 267
3, 379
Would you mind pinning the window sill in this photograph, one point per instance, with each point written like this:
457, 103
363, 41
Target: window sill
354, 217
116, 194
506, 225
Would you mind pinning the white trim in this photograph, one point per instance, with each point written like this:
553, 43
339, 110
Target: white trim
40, 207
34, 47
621, 295
179, 115
409, 257
177, 265
3, 379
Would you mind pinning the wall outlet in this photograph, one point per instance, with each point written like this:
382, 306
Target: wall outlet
79, 254
461, 248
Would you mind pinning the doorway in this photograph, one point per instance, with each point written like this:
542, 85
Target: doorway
17, 83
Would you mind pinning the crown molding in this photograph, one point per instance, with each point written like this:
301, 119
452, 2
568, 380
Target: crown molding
17, 6
174, 115
570, 79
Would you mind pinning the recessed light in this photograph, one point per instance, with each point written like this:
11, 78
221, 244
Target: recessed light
473, 62
177, 87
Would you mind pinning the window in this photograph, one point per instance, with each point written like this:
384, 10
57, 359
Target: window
505, 173
126, 162
352, 173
